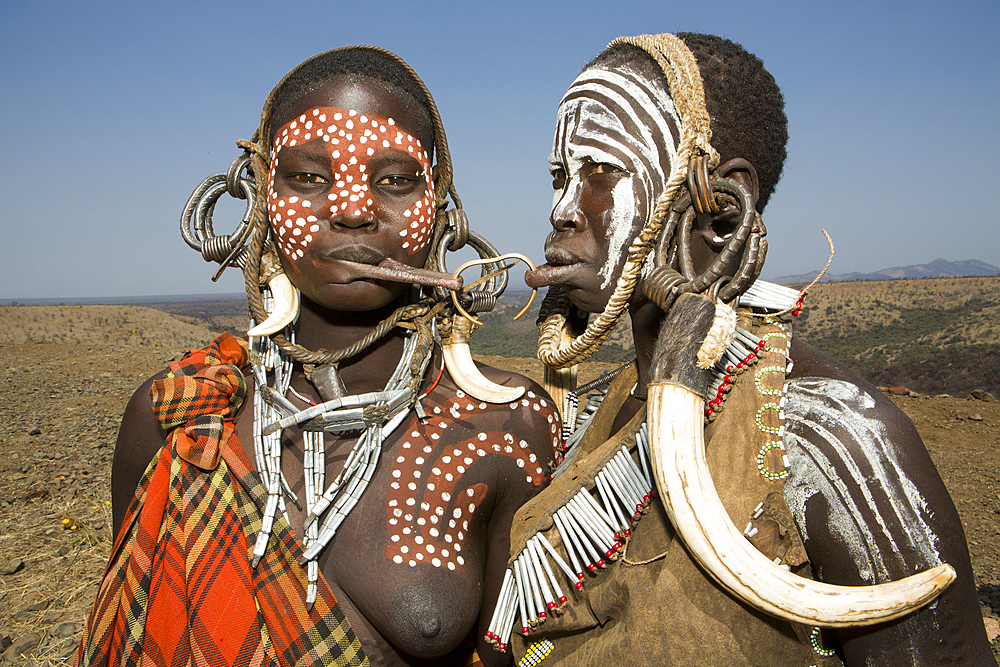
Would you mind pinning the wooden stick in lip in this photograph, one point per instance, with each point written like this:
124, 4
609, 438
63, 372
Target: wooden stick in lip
389, 269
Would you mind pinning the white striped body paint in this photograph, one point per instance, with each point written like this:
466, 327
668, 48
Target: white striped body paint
351, 139
429, 505
617, 117
840, 456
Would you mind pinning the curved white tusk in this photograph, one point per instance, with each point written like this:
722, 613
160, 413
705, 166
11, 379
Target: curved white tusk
677, 449
465, 373
286, 306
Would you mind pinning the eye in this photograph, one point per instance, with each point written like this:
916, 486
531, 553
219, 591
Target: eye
558, 179
605, 168
395, 180
308, 178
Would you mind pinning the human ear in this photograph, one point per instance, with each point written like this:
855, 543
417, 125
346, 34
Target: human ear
740, 170
716, 227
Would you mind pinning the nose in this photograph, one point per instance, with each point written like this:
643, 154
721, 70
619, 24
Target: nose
566, 212
353, 209
359, 218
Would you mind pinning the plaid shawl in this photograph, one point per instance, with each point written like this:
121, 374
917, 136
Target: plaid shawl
179, 589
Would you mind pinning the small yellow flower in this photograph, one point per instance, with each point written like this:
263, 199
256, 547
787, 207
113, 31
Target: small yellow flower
94, 507
73, 527
65, 522
107, 502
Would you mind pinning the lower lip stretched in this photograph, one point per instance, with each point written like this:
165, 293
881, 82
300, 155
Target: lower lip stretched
549, 274
393, 271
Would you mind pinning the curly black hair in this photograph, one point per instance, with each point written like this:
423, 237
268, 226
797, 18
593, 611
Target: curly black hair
742, 98
354, 63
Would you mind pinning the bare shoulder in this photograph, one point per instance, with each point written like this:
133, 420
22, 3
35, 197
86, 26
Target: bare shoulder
872, 508
857, 460
140, 437
535, 411
819, 366
518, 437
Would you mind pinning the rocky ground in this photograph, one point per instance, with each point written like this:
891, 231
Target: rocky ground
59, 410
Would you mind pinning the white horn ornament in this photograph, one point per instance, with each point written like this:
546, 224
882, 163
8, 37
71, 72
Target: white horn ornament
465, 373
677, 448
286, 306
458, 357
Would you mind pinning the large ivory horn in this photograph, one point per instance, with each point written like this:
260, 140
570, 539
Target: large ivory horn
677, 448
286, 306
458, 360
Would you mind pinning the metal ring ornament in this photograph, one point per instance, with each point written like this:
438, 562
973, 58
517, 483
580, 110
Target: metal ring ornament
458, 221
726, 192
492, 288
484, 261
750, 267
196, 219
699, 185
233, 178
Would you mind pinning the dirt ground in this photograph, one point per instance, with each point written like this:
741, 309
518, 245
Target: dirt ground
59, 410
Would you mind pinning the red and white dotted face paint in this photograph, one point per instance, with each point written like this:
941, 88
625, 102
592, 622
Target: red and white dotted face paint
351, 140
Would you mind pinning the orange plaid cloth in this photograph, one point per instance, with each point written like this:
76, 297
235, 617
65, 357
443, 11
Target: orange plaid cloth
179, 589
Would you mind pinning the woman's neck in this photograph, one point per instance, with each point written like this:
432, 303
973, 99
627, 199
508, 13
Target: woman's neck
369, 370
646, 319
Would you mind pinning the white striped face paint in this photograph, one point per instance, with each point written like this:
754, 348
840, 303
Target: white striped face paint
614, 117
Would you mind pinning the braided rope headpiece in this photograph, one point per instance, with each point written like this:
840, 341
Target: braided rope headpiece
687, 92
262, 256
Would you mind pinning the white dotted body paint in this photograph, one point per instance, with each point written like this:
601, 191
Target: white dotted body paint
429, 507
838, 449
590, 130
351, 139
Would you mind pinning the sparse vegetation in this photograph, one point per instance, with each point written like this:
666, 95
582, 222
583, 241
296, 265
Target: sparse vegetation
936, 335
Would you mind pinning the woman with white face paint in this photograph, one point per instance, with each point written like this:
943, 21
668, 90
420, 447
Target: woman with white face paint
793, 519
615, 135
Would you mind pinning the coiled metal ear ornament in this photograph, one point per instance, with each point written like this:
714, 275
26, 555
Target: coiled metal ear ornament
196, 220
674, 272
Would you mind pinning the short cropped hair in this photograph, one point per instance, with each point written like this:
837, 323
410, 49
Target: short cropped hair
743, 100
354, 63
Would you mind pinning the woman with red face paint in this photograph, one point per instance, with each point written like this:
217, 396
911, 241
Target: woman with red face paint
330, 491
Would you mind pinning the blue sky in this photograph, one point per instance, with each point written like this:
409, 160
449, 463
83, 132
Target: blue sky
114, 111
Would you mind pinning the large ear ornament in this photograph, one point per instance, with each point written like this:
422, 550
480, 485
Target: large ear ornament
196, 219
284, 295
674, 271
677, 447
463, 370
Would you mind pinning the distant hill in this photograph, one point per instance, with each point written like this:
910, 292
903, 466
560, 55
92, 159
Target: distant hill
939, 268
940, 335
935, 336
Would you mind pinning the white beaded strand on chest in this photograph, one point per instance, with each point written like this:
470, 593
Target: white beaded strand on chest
325, 507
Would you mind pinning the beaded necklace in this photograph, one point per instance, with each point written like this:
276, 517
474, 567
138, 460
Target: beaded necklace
376, 414
596, 522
